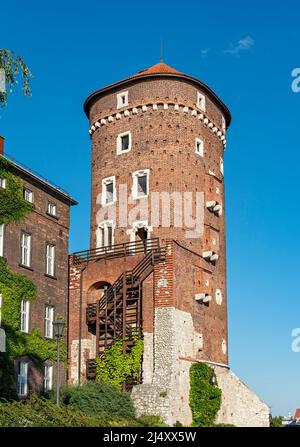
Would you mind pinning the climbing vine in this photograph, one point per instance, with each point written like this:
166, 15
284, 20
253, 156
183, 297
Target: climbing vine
12, 67
117, 368
14, 287
13, 206
205, 395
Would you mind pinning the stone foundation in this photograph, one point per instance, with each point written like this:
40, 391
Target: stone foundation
176, 347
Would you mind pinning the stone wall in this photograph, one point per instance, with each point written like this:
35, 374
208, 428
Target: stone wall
240, 406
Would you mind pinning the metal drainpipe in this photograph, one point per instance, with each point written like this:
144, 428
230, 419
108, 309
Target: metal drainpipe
80, 324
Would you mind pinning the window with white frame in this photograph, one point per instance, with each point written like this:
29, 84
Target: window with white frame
122, 100
28, 195
24, 320
223, 123
201, 101
22, 385
105, 235
48, 378
140, 187
1, 240
123, 143
108, 190
221, 165
49, 317
50, 259
2, 182
1, 304
51, 209
25, 249
199, 147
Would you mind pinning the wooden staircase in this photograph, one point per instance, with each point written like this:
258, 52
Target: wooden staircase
118, 313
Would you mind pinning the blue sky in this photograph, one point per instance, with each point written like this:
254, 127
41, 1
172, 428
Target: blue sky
246, 54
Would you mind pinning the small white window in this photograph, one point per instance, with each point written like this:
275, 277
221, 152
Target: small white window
25, 249
105, 235
221, 165
122, 100
22, 386
199, 149
50, 259
223, 123
108, 191
2, 182
1, 240
24, 324
140, 186
49, 316
28, 195
1, 304
48, 378
201, 101
51, 209
123, 143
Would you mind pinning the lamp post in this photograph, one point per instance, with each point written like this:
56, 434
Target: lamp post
58, 330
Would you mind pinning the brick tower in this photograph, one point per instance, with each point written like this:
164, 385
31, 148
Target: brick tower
157, 262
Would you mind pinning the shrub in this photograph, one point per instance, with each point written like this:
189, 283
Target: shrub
39, 412
94, 398
205, 396
151, 421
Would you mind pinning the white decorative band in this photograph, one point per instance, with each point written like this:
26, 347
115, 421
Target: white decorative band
177, 107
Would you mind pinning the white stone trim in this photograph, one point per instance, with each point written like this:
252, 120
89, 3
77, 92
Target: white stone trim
120, 103
100, 243
220, 133
201, 101
119, 142
105, 182
200, 142
135, 175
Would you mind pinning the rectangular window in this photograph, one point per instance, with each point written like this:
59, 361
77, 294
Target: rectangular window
28, 195
22, 386
221, 165
48, 378
24, 323
50, 259
123, 143
223, 123
51, 209
1, 240
122, 100
140, 186
199, 147
25, 249
49, 316
201, 101
1, 304
105, 235
108, 191
2, 182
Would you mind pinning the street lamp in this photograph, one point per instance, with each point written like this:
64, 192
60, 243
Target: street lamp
58, 330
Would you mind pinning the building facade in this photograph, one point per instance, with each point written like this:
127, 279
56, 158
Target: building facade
157, 257
37, 247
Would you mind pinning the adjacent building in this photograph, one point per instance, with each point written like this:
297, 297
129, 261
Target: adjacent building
38, 248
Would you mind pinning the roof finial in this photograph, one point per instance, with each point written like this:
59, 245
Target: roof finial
161, 49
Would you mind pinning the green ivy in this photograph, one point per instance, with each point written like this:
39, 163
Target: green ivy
14, 287
117, 368
13, 206
205, 395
